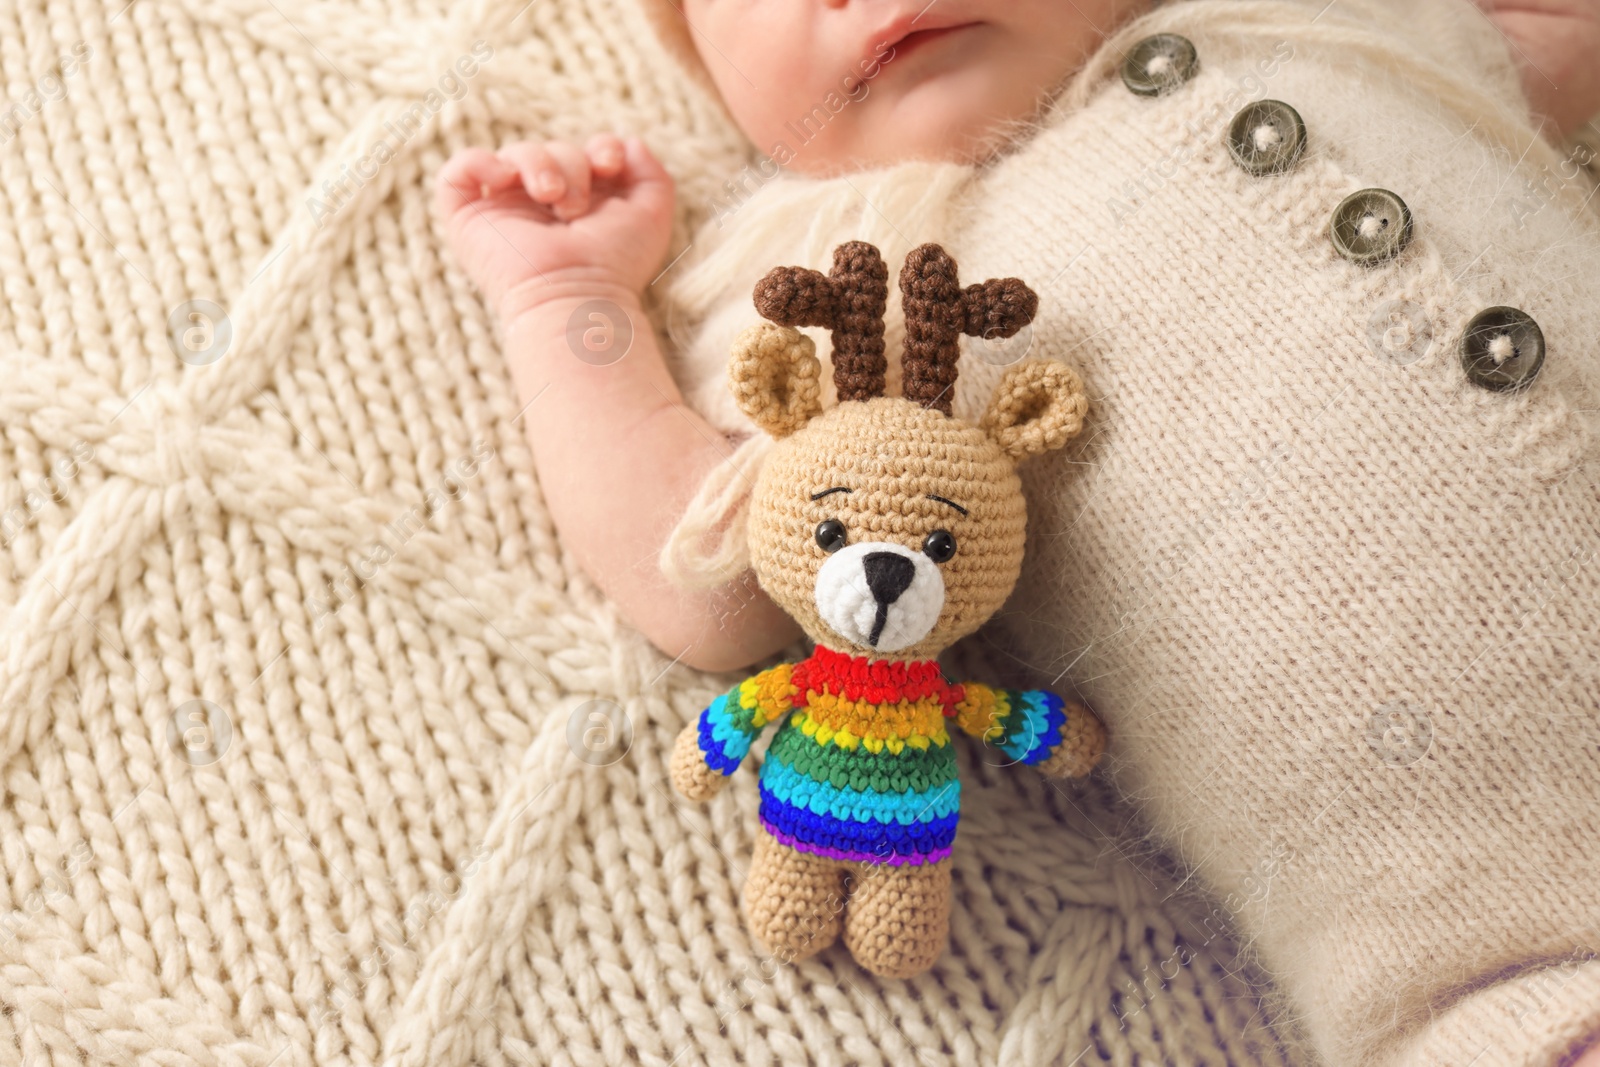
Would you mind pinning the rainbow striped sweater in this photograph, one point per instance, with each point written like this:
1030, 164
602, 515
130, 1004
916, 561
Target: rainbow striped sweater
862, 768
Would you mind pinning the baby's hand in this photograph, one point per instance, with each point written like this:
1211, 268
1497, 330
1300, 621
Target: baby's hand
536, 219
1555, 43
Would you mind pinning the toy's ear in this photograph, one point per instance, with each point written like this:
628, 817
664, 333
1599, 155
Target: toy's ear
1038, 406
776, 377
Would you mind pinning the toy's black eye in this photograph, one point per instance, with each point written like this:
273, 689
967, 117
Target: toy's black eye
939, 545
830, 535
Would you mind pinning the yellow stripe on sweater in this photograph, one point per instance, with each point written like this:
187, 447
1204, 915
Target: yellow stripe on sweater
768, 694
982, 711
833, 719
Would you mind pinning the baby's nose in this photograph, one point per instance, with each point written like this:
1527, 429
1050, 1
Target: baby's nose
888, 575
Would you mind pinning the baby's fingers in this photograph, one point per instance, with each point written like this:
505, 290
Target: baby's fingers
555, 174
650, 186
575, 169
607, 155
469, 175
541, 176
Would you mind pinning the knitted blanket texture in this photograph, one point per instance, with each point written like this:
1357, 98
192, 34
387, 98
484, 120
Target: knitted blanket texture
317, 747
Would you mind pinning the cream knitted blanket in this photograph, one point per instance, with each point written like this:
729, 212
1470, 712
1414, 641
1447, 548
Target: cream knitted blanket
317, 748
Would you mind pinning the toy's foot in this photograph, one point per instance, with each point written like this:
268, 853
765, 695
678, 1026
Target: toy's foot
898, 918
793, 901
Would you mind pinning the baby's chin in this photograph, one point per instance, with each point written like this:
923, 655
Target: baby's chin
952, 111
931, 122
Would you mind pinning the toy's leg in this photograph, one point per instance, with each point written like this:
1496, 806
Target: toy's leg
792, 900
898, 919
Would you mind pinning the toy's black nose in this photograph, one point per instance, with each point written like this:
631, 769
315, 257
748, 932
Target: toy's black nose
888, 575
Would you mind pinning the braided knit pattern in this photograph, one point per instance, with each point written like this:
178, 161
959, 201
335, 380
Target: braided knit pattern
393, 840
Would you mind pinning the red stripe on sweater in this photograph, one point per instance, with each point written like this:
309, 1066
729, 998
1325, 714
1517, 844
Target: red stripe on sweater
876, 680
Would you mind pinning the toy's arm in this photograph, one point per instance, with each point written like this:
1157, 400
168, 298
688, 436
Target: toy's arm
1034, 726
712, 747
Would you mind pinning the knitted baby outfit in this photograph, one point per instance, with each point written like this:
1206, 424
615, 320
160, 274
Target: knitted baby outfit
861, 768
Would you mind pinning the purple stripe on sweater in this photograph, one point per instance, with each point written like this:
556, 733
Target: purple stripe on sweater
851, 855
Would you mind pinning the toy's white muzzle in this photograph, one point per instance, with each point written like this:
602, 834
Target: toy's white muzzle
879, 594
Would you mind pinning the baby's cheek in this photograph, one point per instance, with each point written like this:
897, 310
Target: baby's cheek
763, 58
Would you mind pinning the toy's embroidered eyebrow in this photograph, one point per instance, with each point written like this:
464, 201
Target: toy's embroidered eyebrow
825, 492
952, 503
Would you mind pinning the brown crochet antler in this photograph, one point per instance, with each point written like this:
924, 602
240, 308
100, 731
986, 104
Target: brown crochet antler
938, 311
849, 301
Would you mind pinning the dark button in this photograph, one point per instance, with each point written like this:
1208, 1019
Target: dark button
1266, 137
1502, 348
1371, 225
1159, 64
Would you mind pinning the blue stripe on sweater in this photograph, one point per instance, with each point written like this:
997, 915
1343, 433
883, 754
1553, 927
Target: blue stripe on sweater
1038, 740
723, 744
860, 837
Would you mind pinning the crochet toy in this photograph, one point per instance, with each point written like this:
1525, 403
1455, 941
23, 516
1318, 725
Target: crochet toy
888, 529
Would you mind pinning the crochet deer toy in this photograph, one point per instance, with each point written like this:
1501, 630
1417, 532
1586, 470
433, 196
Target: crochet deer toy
888, 529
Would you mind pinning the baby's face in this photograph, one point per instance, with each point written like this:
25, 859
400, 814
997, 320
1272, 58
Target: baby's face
851, 84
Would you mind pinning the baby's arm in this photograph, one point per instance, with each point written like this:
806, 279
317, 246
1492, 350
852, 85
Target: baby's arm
544, 229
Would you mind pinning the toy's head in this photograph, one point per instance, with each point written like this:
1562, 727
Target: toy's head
886, 526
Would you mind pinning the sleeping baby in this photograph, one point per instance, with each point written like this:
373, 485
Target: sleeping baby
1326, 555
